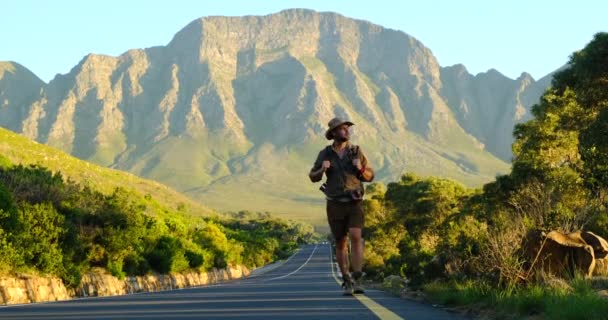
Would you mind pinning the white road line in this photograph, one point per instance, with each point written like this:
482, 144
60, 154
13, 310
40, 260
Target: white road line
225, 283
271, 269
298, 269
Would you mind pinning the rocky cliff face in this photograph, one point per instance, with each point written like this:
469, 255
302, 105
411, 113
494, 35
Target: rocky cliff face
235, 103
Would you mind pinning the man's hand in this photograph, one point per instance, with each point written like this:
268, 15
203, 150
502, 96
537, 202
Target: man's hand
357, 164
318, 175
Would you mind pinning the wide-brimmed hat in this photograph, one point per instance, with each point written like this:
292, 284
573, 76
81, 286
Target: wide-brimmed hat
334, 123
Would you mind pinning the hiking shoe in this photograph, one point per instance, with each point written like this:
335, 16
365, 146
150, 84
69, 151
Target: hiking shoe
357, 283
347, 287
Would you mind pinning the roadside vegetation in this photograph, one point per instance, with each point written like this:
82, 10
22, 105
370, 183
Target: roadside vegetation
53, 226
463, 247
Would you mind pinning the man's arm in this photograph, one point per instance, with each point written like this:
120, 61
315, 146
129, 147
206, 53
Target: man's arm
366, 173
316, 175
321, 165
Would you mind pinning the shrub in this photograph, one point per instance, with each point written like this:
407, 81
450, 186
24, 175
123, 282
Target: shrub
168, 256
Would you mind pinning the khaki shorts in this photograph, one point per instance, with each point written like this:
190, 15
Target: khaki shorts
344, 215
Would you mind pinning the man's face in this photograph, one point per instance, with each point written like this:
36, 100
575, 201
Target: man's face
342, 133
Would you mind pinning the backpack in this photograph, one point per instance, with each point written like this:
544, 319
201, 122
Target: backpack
351, 154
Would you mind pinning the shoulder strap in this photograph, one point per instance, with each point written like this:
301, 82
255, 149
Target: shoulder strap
353, 152
326, 152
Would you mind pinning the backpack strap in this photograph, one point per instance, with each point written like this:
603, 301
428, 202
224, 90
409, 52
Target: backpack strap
353, 152
326, 152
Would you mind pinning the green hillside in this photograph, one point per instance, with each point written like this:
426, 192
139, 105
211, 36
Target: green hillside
64, 217
20, 150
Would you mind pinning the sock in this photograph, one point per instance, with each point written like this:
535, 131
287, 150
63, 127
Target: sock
357, 274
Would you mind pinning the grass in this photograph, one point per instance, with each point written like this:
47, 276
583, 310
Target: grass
17, 149
578, 301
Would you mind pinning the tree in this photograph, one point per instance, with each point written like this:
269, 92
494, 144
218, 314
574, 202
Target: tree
564, 148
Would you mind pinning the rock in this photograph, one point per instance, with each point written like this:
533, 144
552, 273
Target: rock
31, 288
561, 254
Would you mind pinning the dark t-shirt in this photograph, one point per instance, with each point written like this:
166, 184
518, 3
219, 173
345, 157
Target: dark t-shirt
342, 175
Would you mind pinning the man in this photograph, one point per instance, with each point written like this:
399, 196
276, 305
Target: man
346, 167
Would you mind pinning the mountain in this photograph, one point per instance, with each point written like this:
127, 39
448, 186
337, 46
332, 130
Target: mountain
488, 105
20, 150
19, 87
232, 111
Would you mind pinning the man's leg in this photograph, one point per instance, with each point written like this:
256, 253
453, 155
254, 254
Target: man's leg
339, 228
342, 255
356, 242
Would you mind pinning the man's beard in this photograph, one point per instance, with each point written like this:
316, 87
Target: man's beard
341, 139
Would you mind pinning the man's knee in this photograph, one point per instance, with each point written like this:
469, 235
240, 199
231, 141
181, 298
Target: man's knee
355, 235
341, 244
356, 240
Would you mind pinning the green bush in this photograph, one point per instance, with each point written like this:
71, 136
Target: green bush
71, 274
10, 258
115, 268
39, 234
168, 256
195, 259
136, 265
34, 184
62, 228
7, 204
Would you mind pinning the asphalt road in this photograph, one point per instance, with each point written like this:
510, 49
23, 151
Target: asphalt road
303, 287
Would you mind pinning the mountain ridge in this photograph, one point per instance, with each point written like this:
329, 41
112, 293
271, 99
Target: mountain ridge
232, 104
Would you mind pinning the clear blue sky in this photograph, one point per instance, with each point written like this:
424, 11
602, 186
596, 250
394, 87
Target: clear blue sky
50, 37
